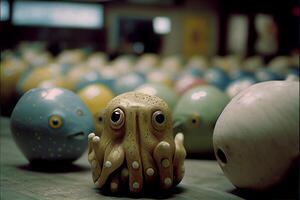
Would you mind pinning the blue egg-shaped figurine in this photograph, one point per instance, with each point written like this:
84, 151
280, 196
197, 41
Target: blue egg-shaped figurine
65, 68
240, 74
293, 74
128, 83
217, 77
265, 74
196, 72
93, 77
294, 71
51, 125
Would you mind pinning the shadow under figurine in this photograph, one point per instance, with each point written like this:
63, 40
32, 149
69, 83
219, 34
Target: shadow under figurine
136, 148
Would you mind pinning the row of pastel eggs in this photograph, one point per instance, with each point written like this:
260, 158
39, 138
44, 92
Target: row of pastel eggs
75, 68
36, 56
194, 111
75, 77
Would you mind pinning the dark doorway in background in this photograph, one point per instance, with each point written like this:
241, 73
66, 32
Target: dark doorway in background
137, 36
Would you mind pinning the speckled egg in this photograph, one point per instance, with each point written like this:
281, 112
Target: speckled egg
51, 125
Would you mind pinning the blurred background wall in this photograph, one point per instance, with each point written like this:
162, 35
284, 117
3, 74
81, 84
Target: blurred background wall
195, 27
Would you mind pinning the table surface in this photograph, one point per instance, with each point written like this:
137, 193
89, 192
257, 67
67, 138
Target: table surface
203, 180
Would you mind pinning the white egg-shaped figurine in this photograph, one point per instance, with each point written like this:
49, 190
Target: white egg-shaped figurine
256, 138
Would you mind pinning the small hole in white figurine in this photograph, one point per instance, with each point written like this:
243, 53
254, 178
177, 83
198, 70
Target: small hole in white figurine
222, 157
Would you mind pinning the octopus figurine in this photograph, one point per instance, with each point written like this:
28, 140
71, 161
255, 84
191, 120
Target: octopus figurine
135, 148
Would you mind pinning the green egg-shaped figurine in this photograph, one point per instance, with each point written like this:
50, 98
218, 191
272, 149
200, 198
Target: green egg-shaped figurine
160, 90
51, 125
195, 116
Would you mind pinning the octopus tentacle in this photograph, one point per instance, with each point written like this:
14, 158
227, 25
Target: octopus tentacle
135, 170
124, 176
179, 157
97, 163
133, 157
96, 169
97, 149
113, 159
115, 183
149, 168
90, 142
163, 157
147, 143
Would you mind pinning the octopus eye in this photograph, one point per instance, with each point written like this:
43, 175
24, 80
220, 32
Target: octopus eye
55, 121
117, 118
158, 119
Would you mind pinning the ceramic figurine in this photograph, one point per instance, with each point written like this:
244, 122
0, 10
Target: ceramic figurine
187, 82
34, 76
56, 82
51, 125
164, 92
217, 77
10, 72
251, 64
160, 76
128, 83
136, 148
197, 62
265, 74
195, 116
172, 64
76, 74
292, 77
256, 138
192, 71
293, 74
97, 60
239, 85
123, 64
93, 77
280, 65
73, 57
146, 63
238, 74
96, 97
